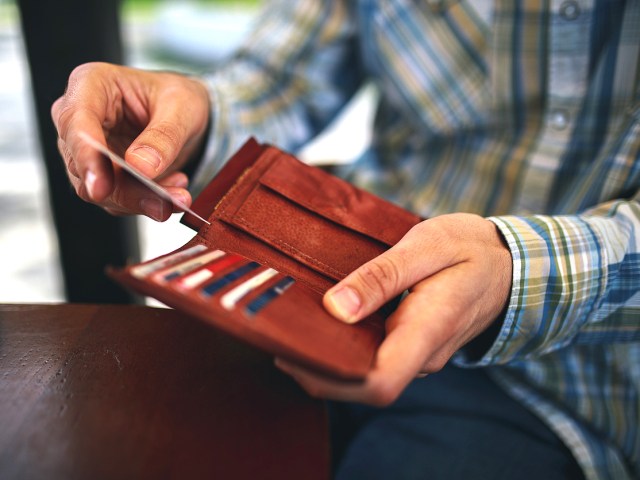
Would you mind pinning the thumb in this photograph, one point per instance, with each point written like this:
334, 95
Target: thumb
369, 287
178, 120
157, 147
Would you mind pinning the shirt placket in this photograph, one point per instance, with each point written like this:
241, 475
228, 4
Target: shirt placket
567, 73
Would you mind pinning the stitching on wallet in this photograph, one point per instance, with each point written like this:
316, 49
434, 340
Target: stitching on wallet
290, 248
231, 193
226, 198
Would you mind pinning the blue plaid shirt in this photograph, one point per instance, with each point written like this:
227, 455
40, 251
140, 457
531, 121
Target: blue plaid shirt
526, 112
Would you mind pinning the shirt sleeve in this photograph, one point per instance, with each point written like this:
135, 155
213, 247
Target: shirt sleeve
296, 70
576, 277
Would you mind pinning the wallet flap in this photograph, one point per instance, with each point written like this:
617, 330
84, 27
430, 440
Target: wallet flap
338, 200
306, 214
331, 249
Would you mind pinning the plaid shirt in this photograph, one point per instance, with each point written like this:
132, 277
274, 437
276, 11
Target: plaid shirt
525, 112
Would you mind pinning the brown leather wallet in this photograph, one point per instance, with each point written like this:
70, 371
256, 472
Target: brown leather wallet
282, 232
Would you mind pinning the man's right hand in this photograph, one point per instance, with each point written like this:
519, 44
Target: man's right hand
155, 120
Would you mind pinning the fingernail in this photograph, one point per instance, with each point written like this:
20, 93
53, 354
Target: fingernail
179, 197
345, 304
182, 182
149, 156
90, 182
153, 207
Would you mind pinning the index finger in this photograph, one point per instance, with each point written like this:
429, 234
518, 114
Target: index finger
95, 171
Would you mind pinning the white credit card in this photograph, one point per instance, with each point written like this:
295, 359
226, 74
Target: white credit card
153, 186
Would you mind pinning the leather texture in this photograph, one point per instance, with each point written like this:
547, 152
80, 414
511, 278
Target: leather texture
305, 223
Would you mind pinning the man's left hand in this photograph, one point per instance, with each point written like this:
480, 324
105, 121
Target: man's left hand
457, 269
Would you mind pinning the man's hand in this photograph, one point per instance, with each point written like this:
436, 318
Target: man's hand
156, 121
457, 269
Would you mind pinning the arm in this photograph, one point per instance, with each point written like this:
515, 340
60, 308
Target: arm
575, 277
288, 81
575, 280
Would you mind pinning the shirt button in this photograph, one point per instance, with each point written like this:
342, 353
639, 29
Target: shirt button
570, 10
559, 119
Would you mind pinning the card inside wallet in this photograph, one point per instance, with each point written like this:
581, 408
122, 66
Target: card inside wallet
281, 233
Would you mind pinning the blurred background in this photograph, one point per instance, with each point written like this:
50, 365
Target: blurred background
187, 36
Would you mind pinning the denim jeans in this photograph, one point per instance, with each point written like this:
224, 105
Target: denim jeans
455, 424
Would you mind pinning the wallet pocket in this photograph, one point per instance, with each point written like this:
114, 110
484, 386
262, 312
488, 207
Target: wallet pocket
280, 234
322, 222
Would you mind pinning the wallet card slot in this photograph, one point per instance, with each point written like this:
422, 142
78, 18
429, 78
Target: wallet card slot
187, 266
279, 309
210, 289
207, 272
269, 310
230, 299
226, 278
147, 268
259, 302
231, 280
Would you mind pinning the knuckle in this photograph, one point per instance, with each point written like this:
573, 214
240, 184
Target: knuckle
81, 70
381, 276
383, 395
117, 197
115, 212
124, 200
61, 117
55, 109
85, 69
169, 135
72, 170
63, 150
311, 389
435, 364
78, 76
81, 191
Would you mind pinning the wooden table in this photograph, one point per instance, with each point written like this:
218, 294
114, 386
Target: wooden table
120, 392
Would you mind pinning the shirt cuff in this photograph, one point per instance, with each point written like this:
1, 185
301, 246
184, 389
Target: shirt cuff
558, 280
